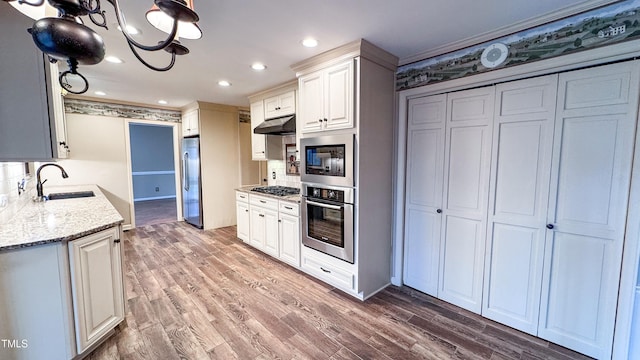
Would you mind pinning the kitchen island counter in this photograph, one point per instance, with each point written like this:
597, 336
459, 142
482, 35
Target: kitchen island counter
38, 223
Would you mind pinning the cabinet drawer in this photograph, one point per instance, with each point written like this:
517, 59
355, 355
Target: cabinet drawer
289, 208
264, 202
242, 196
327, 272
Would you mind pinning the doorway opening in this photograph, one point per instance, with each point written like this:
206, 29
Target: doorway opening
153, 174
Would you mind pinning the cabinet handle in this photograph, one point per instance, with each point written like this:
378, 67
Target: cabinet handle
325, 270
319, 120
325, 119
63, 143
262, 201
288, 208
550, 226
246, 211
439, 211
116, 241
261, 215
279, 220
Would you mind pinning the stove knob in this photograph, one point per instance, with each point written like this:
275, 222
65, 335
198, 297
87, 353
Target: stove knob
316, 192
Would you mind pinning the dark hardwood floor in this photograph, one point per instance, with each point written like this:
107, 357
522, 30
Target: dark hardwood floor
196, 294
150, 212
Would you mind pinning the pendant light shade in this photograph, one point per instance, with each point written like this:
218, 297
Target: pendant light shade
187, 29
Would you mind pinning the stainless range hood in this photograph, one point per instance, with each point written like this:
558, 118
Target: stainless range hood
285, 125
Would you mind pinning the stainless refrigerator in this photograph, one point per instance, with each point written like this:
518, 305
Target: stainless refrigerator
191, 189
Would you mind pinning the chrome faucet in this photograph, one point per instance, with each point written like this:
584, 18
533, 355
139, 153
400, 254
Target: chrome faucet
40, 193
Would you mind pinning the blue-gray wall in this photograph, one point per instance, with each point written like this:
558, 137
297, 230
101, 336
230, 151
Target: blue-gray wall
152, 151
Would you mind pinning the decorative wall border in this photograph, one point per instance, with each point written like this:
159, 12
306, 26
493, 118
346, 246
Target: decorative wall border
600, 27
87, 107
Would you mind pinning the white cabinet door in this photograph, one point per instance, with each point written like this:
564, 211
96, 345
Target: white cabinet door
258, 143
280, 105
519, 191
257, 228
466, 183
57, 108
327, 98
290, 239
425, 154
271, 238
191, 122
311, 112
242, 219
97, 285
590, 179
339, 96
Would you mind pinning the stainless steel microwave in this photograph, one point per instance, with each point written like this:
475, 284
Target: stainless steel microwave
328, 160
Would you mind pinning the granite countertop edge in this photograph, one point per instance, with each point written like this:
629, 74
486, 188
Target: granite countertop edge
72, 219
289, 198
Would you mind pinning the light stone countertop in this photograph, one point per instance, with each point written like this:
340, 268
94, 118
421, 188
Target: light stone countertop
290, 198
58, 220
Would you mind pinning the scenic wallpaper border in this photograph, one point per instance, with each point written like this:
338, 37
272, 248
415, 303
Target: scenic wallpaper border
87, 107
603, 26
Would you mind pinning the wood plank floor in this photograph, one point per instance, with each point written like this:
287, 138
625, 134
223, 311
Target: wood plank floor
196, 294
151, 212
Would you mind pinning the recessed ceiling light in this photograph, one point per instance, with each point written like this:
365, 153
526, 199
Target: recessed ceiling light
310, 42
100, 93
114, 60
258, 66
162, 102
131, 30
224, 83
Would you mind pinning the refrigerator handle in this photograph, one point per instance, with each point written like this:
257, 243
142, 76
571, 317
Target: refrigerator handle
185, 171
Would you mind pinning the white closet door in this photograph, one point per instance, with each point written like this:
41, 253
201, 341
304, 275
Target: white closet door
519, 192
466, 181
593, 145
425, 154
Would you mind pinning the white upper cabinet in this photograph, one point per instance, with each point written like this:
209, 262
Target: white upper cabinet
263, 147
280, 105
191, 122
327, 98
32, 123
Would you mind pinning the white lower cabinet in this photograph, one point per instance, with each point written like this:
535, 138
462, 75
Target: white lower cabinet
329, 269
64, 299
242, 216
289, 222
274, 227
97, 286
556, 210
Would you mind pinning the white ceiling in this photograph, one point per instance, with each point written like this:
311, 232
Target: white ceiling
240, 32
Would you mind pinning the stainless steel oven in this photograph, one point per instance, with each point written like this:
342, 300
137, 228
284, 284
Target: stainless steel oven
328, 160
327, 220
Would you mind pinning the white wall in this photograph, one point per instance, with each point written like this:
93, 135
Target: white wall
98, 156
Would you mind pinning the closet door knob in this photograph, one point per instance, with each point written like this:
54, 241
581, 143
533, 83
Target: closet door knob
439, 211
550, 226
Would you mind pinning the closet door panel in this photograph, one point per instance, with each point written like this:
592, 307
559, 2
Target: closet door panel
523, 137
466, 180
425, 159
591, 172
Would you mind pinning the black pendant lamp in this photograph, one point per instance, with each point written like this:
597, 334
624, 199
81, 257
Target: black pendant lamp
66, 38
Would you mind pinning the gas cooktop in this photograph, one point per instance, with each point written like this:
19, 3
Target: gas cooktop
277, 190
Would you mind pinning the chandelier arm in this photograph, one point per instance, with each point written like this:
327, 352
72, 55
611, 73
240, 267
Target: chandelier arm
132, 42
166, 68
36, 3
95, 12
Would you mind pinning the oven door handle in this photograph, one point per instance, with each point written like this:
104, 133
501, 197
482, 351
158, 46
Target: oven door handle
335, 207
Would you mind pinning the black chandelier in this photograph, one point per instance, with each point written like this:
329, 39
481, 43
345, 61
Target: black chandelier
66, 38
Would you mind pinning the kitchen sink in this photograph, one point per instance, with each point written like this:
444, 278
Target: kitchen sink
71, 195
